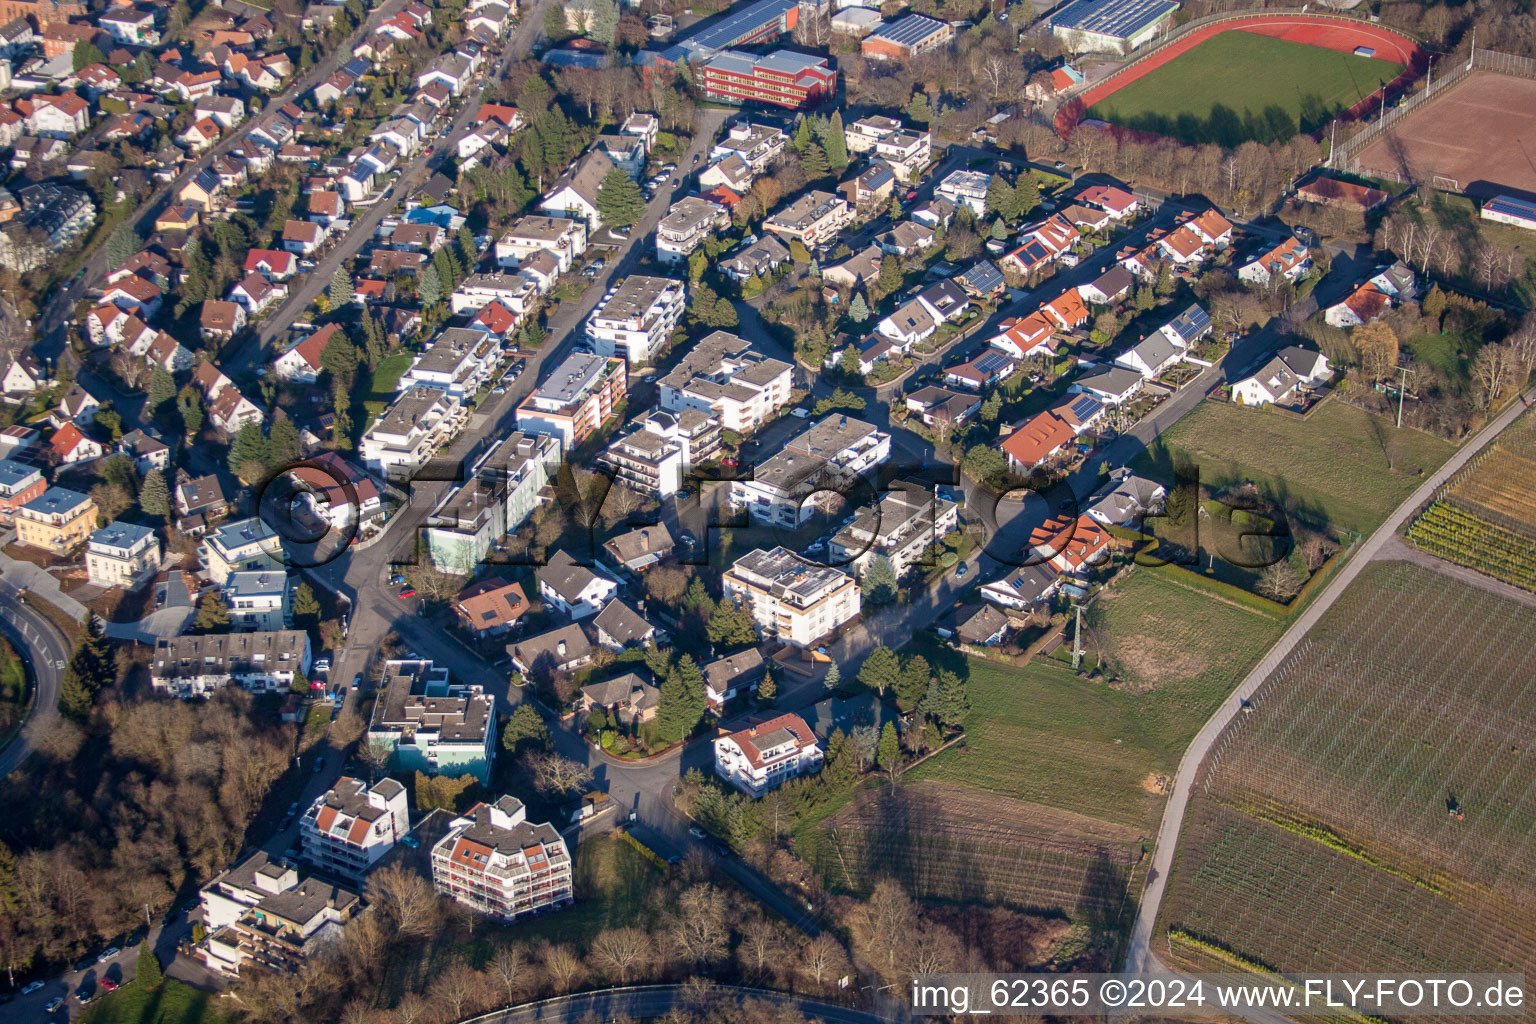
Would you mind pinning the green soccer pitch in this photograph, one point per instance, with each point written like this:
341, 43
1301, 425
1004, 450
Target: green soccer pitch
1238, 86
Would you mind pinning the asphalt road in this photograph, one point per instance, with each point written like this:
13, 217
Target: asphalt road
60, 306
1139, 955
45, 651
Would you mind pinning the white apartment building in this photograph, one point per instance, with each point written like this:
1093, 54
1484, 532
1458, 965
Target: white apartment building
350, 826
119, 553
791, 599
815, 219
562, 236
258, 600
476, 515
686, 225
431, 725
723, 377
968, 187
420, 421
459, 361
241, 544
654, 457
756, 145
635, 319
825, 457
494, 861
476, 290
264, 913
575, 398
901, 528
765, 756
196, 666
907, 151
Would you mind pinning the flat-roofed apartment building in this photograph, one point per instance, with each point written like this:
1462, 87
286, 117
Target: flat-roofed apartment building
782, 78
791, 600
420, 421
476, 515
196, 666
431, 725
57, 521
575, 399
724, 377
826, 457
908, 151
655, 456
265, 913
119, 553
493, 860
19, 484
240, 545
635, 319
686, 225
459, 361
815, 219
564, 236
755, 145
904, 524
351, 825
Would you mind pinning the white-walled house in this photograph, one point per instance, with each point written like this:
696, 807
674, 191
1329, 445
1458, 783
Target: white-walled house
765, 756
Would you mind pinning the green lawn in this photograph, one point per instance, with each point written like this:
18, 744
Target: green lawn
1238, 86
1043, 734
1040, 733
1340, 464
171, 1003
381, 387
13, 688
612, 880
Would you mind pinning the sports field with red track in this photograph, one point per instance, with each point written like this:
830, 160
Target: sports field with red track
1281, 74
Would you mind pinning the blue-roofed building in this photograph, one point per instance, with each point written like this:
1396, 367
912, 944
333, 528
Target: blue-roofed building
239, 546
910, 36
1509, 210
19, 484
1111, 26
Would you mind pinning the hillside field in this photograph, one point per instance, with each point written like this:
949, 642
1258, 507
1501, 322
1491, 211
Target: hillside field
1240, 85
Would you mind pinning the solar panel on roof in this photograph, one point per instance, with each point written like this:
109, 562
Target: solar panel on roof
1512, 207
991, 362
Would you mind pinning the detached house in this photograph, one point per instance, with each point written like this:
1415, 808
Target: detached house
1070, 544
1287, 261
573, 589
765, 756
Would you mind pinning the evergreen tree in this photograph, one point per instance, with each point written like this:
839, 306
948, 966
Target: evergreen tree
837, 144
891, 278
525, 730
212, 612
1026, 195
340, 359
605, 21
768, 689
1164, 284
148, 975
889, 755
878, 585
999, 230
947, 700
696, 598
340, 292
619, 201
283, 446
306, 608
730, 626
858, 310
677, 711
920, 110
249, 446
447, 268
75, 696
1433, 303
992, 407
722, 314
912, 685
849, 363
814, 162
162, 388
802, 140
429, 287
155, 495
86, 54
121, 244
1144, 300
833, 677
194, 284
880, 670
469, 253
189, 404
1000, 197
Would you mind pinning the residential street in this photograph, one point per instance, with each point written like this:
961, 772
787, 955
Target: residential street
45, 650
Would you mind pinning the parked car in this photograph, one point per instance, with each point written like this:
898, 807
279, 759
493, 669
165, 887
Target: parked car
33, 986
961, 570
696, 832
357, 681
83, 995
111, 952
54, 1003
319, 764
410, 840
109, 984
800, 414
293, 808
406, 592
499, 389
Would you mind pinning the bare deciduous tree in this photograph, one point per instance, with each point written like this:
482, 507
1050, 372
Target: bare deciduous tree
822, 959
621, 953
564, 967
406, 899
699, 931
554, 775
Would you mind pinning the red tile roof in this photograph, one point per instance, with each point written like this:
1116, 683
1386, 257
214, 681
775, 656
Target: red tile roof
1038, 440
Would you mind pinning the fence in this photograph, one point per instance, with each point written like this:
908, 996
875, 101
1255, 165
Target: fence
1481, 60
